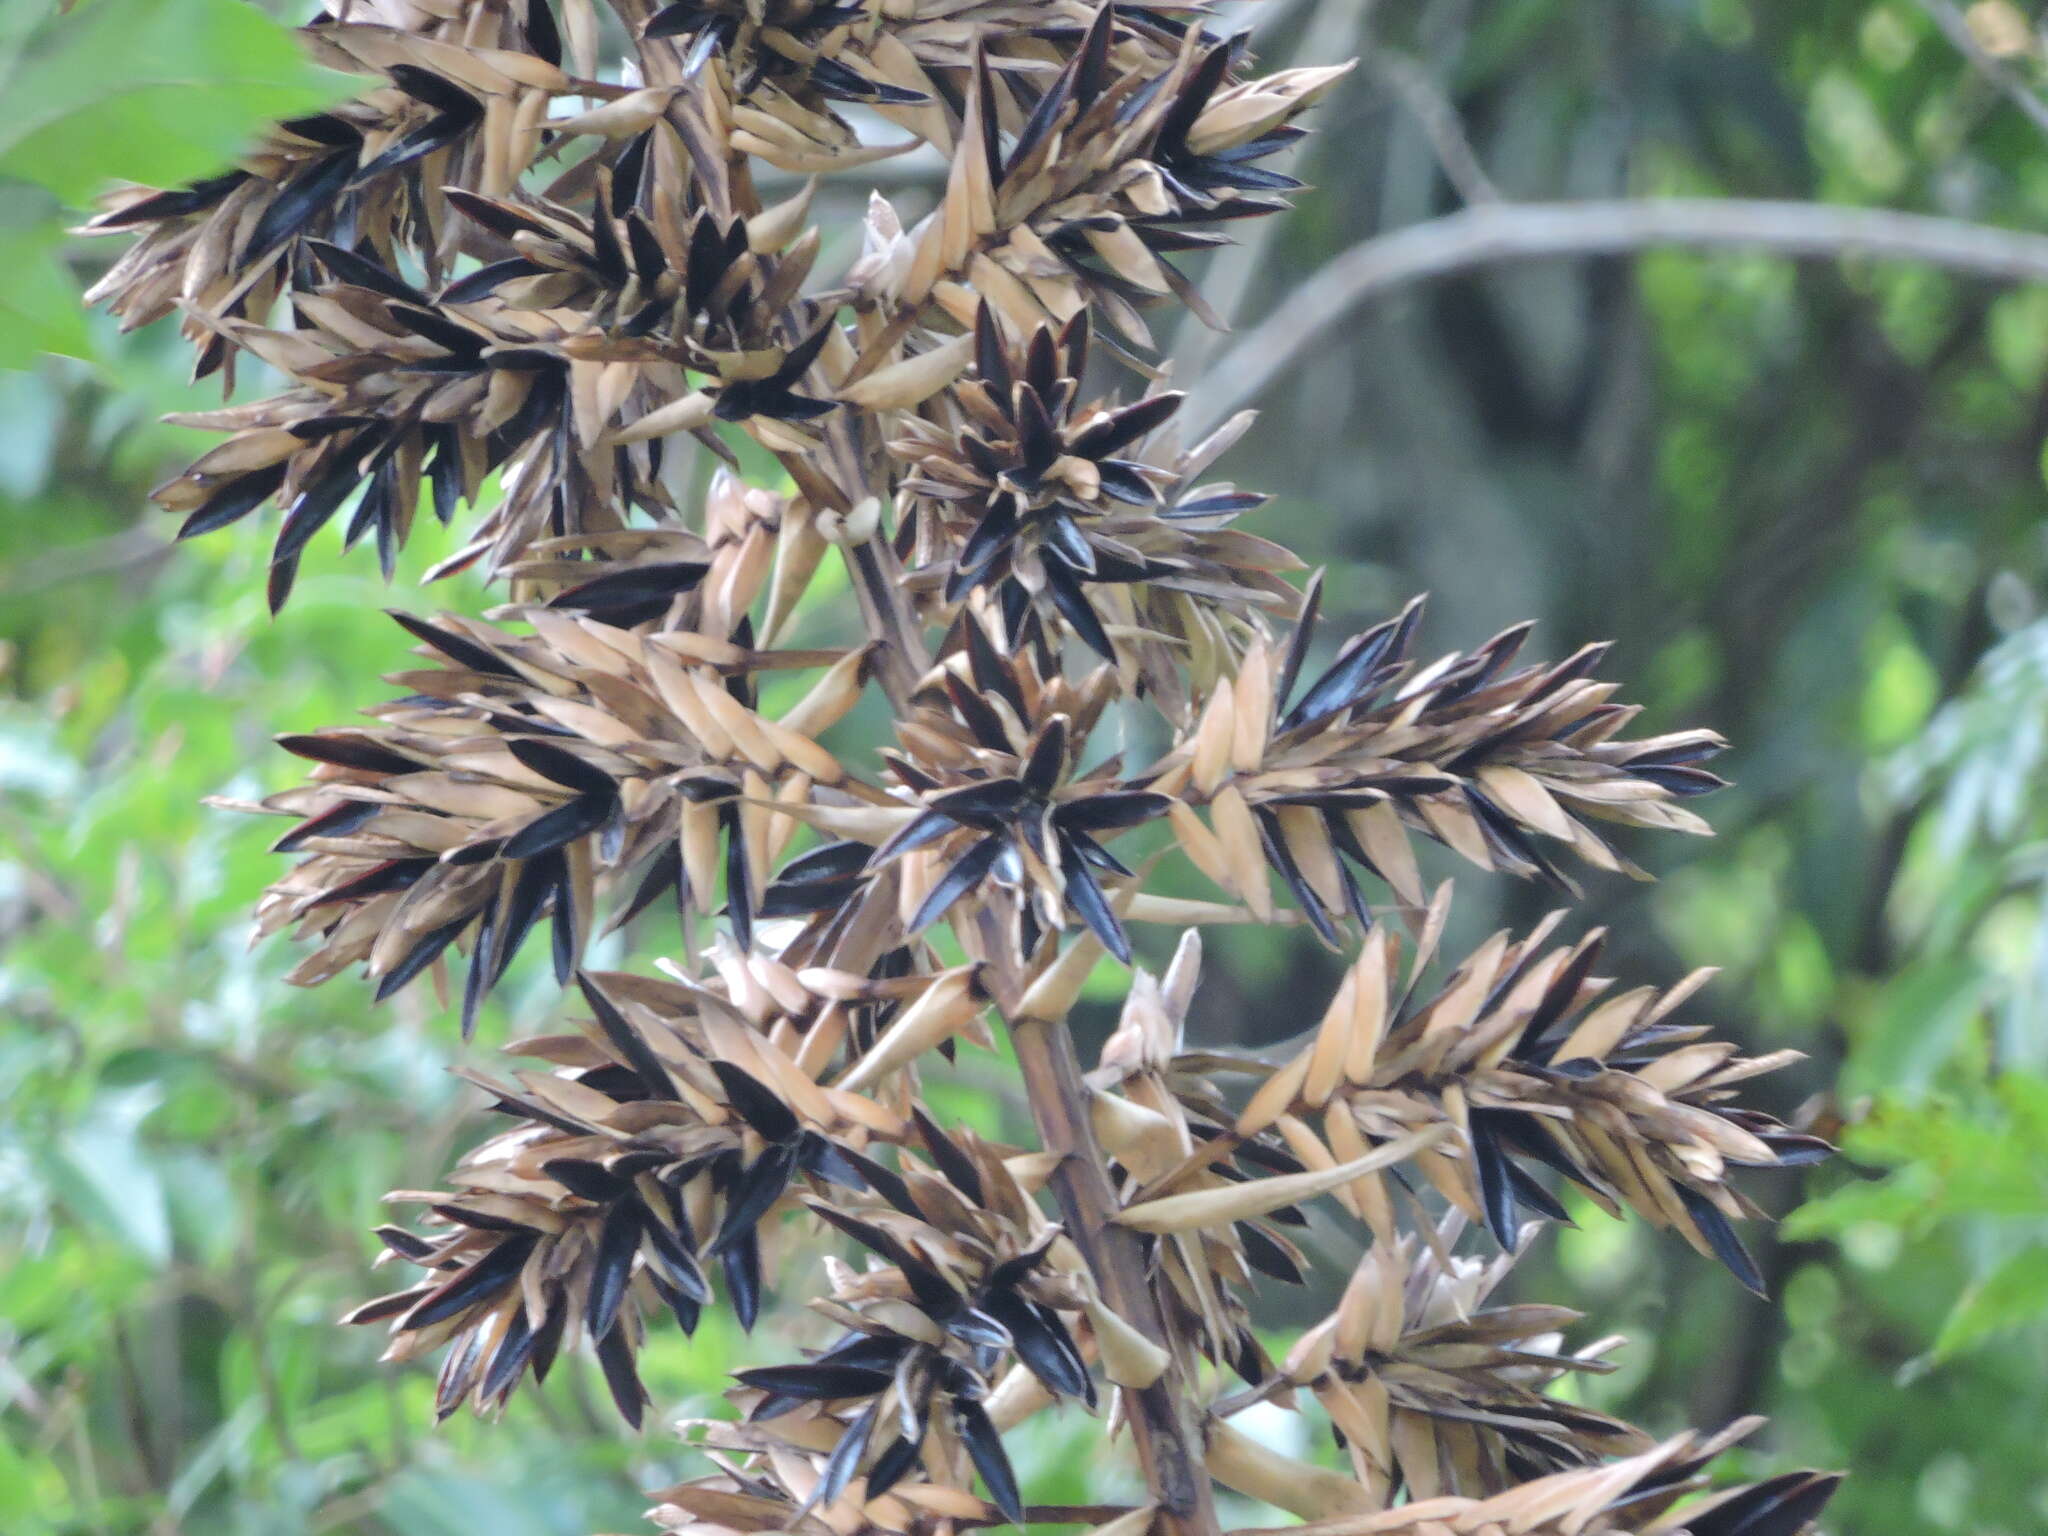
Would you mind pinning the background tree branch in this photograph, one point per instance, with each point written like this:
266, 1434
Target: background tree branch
1500, 233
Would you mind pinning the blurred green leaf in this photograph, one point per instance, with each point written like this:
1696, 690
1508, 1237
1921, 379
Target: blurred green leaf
154, 91
1913, 1026
2014, 1293
39, 309
1898, 1200
1803, 497
101, 1173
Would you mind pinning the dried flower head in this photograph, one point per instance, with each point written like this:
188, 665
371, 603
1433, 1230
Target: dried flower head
1428, 1389
526, 775
1318, 778
532, 269
1038, 498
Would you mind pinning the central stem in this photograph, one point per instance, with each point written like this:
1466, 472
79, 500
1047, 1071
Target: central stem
1163, 1418
1169, 1440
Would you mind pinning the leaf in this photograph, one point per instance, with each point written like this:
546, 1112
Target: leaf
483, 1279
741, 1262
964, 876
632, 1047
1919, 1020
815, 1381
149, 92
1042, 1343
615, 1357
102, 1173
754, 1194
1720, 1236
1241, 1202
844, 1461
1898, 1200
39, 306
618, 1241
756, 1103
2014, 1293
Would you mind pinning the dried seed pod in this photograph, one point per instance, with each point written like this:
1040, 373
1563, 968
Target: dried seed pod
1021, 489
1316, 778
1522, 1057
1632, 1497
1434, 1391
524, 776
646, 1154
1000, 819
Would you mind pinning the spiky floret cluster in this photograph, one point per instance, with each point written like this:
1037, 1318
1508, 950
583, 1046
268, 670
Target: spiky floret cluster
524, 275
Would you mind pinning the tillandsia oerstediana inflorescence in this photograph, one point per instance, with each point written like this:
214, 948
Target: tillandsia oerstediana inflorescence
547, 260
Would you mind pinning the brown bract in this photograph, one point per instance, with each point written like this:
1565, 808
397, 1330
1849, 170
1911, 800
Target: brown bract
1325, 777
529, 776
1429, 1388
1080, 513
1631, 1497
571, 272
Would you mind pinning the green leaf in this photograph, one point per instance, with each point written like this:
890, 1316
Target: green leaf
39, 309
1918, 1021
102, 1175
155, 91
1895, 1201
2025, 1098
2013, 1294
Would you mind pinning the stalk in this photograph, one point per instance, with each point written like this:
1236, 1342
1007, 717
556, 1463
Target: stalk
1164, 1425
1163, 1417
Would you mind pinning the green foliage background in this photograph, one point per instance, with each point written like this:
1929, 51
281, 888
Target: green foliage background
1805, 500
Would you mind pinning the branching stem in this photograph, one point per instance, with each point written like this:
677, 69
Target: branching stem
1169, 1440
1495, 233
901, 658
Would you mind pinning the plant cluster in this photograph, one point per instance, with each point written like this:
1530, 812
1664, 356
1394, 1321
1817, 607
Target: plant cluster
523, 279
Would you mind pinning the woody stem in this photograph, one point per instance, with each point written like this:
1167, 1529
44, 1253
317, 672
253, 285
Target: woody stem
1164, 1422
1163, 1418
901, 659
852, 470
